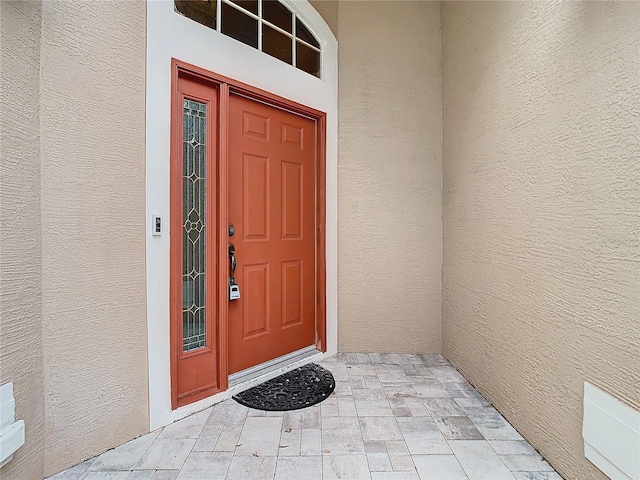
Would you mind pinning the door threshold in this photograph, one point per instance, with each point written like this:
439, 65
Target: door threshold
292, 360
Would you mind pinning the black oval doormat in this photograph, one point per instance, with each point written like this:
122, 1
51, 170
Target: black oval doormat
299, 388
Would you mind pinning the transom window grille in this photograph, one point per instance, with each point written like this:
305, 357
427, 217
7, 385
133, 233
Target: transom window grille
266, 25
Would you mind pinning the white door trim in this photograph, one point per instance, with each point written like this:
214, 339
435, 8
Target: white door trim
170, 35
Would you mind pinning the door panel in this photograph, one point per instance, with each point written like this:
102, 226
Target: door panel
291, 201
255, 202
256, 300
271, 202
291, 293
193, 242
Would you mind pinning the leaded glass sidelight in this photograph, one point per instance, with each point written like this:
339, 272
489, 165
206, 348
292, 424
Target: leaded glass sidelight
193, 221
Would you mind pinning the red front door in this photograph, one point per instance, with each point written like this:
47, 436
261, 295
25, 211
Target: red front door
260, 167
272, 205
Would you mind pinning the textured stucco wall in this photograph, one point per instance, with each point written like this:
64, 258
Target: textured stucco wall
20, 230
541, 271
328, 10
93, 224
389, 177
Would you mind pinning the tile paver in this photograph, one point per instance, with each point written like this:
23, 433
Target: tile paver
141, 475
391, 417
109, 475
290, 442
251, 468
537, 476
439, 467
341, 436
260, 437
479, 460
298, 468
311, 441
124, 457
166, 454
394, 476
205, 465
379, 462
163, 475
345, 467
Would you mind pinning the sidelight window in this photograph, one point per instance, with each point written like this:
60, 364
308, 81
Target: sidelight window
194, 325
266, 25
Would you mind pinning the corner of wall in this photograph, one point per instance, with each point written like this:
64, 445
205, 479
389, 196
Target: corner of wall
21, 231
390, 177
540, 208
94, 333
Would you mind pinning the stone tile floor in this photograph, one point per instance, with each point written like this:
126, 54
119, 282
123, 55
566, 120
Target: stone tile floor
392, 417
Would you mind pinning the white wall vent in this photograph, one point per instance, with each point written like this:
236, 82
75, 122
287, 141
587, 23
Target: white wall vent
611, 432
11, 432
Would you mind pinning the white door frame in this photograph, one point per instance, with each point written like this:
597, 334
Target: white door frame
170, 35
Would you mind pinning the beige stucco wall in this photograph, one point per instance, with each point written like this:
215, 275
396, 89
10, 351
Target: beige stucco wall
20, 230
389, 177
541, 273
93, 224
328, 10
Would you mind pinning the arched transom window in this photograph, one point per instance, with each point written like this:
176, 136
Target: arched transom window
267, 25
